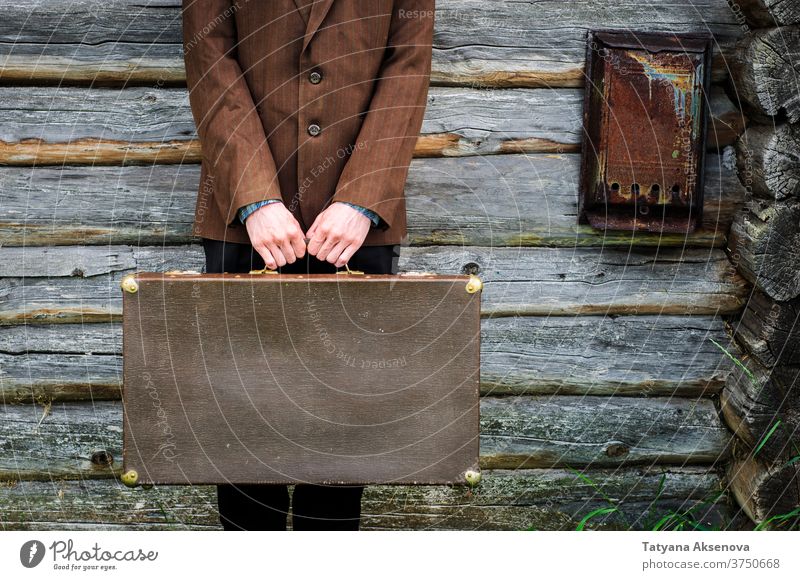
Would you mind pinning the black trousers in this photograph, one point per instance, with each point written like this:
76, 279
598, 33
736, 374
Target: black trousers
314, 507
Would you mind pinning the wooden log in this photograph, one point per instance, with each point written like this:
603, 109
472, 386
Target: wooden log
526, 32
768, 160
110, 63
762, 407
551, 499
765, 246
764, 73
495, 200
766, 13
543, 499
53, 362
765, 491
79, 440
88, 280
770, 330
614, 355
619, 356
557, 431
105, 505
43, 377
535, 281
500, 45
72, 125
61, 440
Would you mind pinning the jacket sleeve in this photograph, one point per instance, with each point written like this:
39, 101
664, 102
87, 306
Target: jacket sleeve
375, 174
232, 138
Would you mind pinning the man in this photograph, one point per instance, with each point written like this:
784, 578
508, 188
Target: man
308, 114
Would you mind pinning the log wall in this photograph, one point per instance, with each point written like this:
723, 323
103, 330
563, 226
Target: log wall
760, 400
600, 375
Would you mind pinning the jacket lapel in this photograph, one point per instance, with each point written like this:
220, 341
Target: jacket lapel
303, 9
318, 12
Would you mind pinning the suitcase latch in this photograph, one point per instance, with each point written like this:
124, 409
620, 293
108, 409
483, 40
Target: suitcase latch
263, 270
347, 270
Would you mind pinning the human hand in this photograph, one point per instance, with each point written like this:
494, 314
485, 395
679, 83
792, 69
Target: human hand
275, 235
337, 233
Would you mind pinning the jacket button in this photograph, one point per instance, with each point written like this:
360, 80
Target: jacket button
314, 129
315, 77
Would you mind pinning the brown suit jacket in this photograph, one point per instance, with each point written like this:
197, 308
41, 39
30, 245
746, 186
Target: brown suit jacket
306, 102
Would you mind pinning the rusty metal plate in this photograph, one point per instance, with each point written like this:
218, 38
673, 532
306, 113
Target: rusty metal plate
645, 116
286, 378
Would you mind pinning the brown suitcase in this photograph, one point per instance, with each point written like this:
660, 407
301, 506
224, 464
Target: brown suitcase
284, 378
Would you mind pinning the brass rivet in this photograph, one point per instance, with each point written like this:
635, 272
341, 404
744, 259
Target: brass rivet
129, 284
473, 477
474, 284
130, 478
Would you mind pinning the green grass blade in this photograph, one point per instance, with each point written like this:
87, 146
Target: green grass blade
655, 500
593, 513
663, 521
738, 363
766, 438
780, 517
791, 461
592, 483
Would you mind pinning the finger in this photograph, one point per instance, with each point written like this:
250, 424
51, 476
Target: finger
314, 245
325, 248
288, 250
347, 253
298, 245
266, 255
336, 251
276, 252
316, 241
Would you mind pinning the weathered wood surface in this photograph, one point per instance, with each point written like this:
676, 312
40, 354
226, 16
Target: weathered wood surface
504, 43
557, 431
765, 72
552, 499
768, 161
764, 490
763, 410
74, 125
77, 284
57, 376
765, 246
59, 440
626, 355
71, 284
519, 282
620, 356
770, 330
465, 121
542, 499
494, 200
53, 362
765, 13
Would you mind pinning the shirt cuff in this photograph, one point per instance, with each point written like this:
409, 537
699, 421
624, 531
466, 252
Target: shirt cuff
374, 218
246, 210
